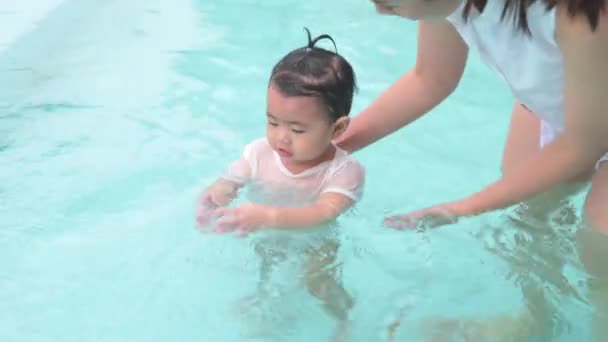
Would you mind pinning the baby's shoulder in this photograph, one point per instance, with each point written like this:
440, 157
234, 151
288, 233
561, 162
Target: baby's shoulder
346, 164
257, 148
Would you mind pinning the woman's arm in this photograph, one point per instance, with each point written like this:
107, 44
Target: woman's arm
440, 62
585, 140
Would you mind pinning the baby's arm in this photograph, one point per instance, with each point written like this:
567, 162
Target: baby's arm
328, 208
224, 190
252, 216
342, 190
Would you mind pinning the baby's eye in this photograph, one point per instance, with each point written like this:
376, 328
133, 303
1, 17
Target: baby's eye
272, 123
297, 131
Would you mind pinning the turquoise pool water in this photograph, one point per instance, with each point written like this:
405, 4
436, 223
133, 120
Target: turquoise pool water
113, 116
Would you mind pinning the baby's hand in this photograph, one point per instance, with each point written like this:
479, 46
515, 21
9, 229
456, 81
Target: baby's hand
222, 193
244, 219
205, 210
218, 195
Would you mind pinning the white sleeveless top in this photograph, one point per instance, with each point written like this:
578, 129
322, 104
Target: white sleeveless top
531, 65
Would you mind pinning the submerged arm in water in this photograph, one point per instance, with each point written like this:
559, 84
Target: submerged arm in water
249, 217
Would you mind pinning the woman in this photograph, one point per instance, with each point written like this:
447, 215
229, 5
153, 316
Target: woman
554, 56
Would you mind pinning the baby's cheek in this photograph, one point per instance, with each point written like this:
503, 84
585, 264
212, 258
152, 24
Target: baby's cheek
314, 145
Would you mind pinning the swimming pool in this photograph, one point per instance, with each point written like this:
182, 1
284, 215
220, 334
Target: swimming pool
114, 114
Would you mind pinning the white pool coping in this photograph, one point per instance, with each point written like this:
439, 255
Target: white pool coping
20, 17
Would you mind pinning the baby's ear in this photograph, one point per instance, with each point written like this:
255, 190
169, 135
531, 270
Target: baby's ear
340, 126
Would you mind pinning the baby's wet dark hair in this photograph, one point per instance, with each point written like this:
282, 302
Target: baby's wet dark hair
317, 72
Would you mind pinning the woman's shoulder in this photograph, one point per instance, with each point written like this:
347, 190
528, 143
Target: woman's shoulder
583, 39
590, 25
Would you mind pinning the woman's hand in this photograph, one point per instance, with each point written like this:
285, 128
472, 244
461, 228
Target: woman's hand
431, 217
384, 7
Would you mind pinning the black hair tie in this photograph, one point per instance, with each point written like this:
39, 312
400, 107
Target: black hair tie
312, 42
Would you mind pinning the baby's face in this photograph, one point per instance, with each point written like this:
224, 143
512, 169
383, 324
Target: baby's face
299, 128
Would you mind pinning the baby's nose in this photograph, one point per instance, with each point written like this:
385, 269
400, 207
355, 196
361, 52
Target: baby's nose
284, 136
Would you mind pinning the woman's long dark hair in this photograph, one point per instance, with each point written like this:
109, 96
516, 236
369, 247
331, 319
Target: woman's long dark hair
589, 8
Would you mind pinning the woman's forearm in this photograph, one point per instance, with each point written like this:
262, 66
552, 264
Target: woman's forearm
557, 163
406, 100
